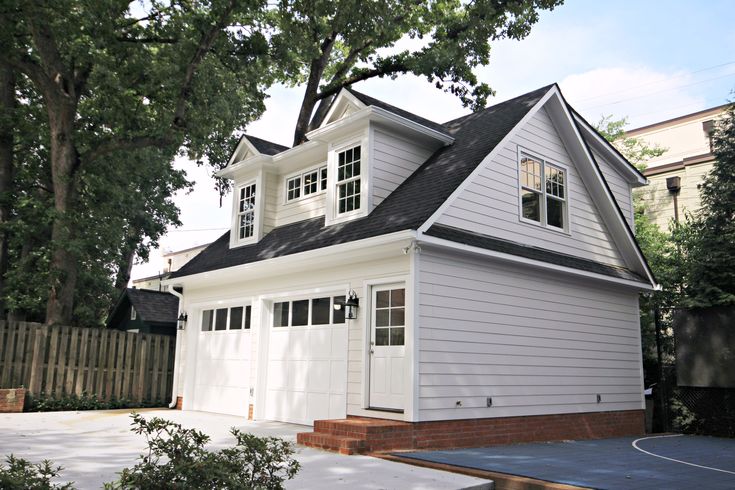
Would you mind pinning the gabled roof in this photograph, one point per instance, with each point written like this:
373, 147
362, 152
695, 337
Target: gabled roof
411, 207
153, 306
265, 147
370, 101
406, 208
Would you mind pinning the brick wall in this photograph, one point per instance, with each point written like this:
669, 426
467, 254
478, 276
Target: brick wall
12, 400
179, 402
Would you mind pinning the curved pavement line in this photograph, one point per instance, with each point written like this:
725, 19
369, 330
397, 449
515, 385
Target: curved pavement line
635, 445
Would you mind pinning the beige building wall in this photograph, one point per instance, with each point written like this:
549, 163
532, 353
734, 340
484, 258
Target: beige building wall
688, 156
170, 262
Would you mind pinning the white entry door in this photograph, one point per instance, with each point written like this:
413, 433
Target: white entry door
387, 349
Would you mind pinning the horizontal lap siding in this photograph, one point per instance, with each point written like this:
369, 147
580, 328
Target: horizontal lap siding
536, 342
284, 213
620, 188
489, 204
394, 159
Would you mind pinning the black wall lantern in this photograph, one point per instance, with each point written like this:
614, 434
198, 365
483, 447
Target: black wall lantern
181, 323
350, 305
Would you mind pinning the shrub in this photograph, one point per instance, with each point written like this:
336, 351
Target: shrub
23, 475
85, 401
177, 459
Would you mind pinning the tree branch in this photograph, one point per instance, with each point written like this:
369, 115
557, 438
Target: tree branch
119, 144
148, 40
365, 75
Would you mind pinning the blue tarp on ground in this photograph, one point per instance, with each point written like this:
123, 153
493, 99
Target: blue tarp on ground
607, 463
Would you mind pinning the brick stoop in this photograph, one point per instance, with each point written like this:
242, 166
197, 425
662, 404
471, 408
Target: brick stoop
358, 435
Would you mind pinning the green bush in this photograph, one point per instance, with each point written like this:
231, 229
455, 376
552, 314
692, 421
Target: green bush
23, 475
86, 401
177, 459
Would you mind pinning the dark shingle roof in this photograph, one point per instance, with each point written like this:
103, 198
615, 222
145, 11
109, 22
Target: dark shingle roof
154, 306
367, 100
528, 252
406, 208
266, 147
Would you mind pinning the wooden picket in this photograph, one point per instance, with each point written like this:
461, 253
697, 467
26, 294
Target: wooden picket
110, 364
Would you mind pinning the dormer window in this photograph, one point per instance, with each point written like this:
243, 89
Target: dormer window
543, 192
348, 180
246, 211
306, 183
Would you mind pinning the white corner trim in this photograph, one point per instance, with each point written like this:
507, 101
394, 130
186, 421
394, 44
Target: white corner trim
448, 244
619, 219
489, 158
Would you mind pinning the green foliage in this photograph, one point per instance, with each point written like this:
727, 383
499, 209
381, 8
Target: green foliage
85, 401
709, 244
177, 458
20, 474
635, 150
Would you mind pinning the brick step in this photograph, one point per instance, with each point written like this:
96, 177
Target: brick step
329, 442
361, 427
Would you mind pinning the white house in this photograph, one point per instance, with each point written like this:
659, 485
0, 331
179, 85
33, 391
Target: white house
492, 258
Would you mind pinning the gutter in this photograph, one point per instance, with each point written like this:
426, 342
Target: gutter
177, 348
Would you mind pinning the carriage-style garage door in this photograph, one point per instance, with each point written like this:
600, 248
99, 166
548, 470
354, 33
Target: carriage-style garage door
223, 361
307, 361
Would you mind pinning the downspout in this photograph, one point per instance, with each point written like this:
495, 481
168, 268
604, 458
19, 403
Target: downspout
174, 388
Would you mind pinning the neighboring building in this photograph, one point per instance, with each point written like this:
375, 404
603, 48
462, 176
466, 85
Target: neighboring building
675, 176
493, 265
145, 311
172, 261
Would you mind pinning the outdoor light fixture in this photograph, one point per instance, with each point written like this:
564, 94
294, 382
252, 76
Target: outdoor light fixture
350, 305
181, 323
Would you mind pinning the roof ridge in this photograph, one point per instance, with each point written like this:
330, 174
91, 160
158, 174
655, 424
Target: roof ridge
500, 104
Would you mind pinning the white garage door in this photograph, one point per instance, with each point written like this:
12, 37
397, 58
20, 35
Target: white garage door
223, 361
307, 361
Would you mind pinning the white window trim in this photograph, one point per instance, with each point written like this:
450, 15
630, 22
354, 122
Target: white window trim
301, 174
235, 240
544, 160
332, 217
133, 313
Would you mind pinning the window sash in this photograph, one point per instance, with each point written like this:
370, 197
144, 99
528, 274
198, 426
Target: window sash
546, 191
306, 184
349, 172
246, 211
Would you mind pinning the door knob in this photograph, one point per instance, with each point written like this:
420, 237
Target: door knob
372, 351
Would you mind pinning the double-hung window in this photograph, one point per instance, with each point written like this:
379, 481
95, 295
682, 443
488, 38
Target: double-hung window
246, 212
543, 192
306, 184
348, 180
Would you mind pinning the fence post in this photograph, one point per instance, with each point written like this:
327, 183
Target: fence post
39, 358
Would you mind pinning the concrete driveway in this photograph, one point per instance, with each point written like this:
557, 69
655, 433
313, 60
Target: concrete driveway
93, 446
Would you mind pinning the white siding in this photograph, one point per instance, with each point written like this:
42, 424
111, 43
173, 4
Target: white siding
536, 342
489, 205
271, 202
620, 188
394, 159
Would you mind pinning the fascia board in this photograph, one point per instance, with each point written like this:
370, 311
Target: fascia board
286, 263
460, 247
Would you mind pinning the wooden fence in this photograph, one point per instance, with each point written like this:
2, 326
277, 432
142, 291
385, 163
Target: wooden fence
73, 360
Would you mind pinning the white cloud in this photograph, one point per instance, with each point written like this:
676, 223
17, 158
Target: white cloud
639, 93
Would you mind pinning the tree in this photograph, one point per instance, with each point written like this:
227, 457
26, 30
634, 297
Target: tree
113, 84
710, 245
332, 44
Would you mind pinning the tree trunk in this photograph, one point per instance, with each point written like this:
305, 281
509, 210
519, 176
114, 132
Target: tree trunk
7, 104
125, 266
64, 262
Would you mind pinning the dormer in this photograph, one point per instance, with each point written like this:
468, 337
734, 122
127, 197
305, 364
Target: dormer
372, 147
249, 165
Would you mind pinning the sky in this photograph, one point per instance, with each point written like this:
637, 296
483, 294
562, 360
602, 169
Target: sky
645, 60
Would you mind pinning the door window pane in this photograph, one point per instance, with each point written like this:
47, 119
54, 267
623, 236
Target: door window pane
396, 336
382, 299
382, 318
207, 320
339, 315
382, 336
247, 316
320, 311
300, 315
398, 297
280, 314
236, 318
397, 316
